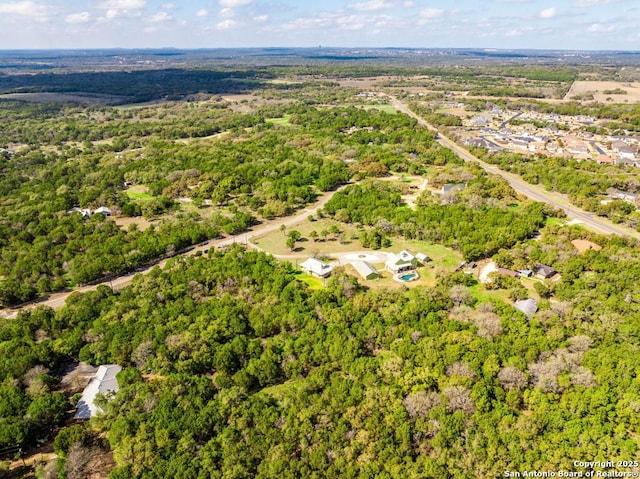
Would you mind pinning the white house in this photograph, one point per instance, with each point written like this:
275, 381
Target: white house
403, 261
317, 268
104, 382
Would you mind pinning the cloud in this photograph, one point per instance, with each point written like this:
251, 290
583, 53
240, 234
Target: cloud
78, 18
27, 9
168, 6
600, 28
261, 18
226, 24
431, 13
202, 13
590, 3
119, 8
351, 22
548, 13
234, 3
371, 6
160, 17
409, 4
226, 13
123, 4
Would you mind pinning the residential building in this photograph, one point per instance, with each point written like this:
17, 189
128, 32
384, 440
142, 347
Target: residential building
104, 382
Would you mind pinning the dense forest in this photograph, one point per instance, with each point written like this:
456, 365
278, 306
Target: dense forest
236, 369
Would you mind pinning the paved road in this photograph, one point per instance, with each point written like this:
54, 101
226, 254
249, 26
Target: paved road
534, 192
57, 300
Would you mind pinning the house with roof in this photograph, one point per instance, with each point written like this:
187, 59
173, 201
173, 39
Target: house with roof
584, 245
104, 382
365, 270
103, 210
542, 271
526, 306
423, 258
403, 261
85, 213
317, 268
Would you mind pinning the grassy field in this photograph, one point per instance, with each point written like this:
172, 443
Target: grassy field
275, 242
312, 281
139, 193
382, 107
285, 120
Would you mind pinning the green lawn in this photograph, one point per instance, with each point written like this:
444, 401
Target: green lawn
312, 281
382, 107
285, 120
441, 256
139, 193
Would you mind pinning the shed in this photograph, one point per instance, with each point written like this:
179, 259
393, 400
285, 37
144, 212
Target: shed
103, 210
104, 382
365, 270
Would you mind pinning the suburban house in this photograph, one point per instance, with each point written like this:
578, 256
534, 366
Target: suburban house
542, 271
584, 245
317, 268
104, 382
527, 306
403, 261
365, 270
508, 272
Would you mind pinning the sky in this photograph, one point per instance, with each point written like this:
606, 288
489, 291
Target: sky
505, 24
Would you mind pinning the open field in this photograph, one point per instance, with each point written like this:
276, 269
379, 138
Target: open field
51, 97
275, 241
139, 193
605, 91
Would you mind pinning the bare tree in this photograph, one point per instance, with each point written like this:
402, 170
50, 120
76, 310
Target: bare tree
460, 294
461, 370
512, 378
419, 404
489, 325
459, 399
581, 376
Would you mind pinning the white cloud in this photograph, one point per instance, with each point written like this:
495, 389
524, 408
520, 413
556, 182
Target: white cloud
261, 18
226, 13
202, 13
372, 5
226, 24
590, 3
600, 28
234, 3
548, 13
160, 17
27, 9
351, 22
78, 18
123, 4
168, 6
430, 13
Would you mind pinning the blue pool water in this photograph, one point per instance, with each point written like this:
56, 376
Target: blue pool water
409, 276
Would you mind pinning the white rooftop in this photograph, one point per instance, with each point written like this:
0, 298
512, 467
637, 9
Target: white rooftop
103, 382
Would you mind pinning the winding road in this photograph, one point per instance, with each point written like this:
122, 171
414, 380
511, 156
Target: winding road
536, 193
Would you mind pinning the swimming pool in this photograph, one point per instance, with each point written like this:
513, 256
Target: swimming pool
411, 276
